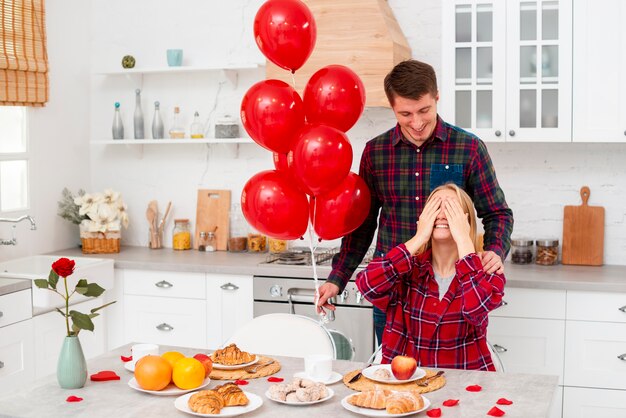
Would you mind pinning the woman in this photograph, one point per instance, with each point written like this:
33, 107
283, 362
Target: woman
433, 289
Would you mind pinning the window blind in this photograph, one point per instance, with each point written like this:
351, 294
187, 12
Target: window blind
23, 54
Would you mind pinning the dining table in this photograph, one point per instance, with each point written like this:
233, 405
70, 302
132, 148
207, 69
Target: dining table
530, 394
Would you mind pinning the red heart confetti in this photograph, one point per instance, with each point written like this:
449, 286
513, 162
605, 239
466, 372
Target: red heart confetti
241, 382
104, 375
504, 401
436, 412
126, 359
275, 379
495, 412
73, 399
451, 402
474, 388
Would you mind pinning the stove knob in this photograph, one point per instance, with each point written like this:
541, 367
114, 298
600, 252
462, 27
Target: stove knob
276, 291
359, 297
344, 296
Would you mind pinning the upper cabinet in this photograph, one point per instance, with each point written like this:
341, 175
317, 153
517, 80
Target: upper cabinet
599, 62
506, 73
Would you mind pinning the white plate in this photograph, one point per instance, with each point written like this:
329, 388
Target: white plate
181, 403
369, 373
235, 366
170, 390
334, 378
379, 412
130, 366
330, 395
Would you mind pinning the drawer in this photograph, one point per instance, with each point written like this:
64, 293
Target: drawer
532, 303
592, 355
586, 403
165, 283
179, 322
15, 307
596, 306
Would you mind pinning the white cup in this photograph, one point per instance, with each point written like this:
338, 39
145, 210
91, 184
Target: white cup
318, 367
142, 350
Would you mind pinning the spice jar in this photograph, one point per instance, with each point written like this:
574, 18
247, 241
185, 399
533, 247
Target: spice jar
257, 243
522, 251
238, 241
547, 252
277, 245
181, 235
211, 241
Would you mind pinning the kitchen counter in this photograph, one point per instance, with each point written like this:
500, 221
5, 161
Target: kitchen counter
13, 285
531, 394
587, 278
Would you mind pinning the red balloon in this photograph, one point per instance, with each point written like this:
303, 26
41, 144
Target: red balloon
334, 96
272, 113
285, 32
274, 206
322, 157
341, 210
284, 165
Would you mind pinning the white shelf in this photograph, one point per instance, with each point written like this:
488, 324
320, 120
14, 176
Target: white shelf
173, 141
182, 69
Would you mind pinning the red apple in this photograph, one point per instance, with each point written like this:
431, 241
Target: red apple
403, 367
206, 362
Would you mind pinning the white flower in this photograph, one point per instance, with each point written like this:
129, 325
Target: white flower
110, 197
106, 211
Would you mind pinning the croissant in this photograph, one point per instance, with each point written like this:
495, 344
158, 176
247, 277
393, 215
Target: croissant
231, 355
373, 399
232, 394
403, 402
206, 402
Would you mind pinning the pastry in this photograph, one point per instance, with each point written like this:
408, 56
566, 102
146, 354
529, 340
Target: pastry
382, 374
231, 355
373, 399
403, 402
298, 390
232, 394
206, 402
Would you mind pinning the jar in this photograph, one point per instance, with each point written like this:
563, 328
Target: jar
211, 241
257, 243
547, 252
226, 127
277, 245
238, 241
522, 251
181, 235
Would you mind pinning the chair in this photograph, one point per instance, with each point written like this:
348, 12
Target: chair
284, 335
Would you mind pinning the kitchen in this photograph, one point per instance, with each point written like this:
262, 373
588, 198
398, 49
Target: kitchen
539, 178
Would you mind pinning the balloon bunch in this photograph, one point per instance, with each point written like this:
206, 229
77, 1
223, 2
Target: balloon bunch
312, 154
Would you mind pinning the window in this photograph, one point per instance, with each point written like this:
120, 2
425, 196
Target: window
13, 159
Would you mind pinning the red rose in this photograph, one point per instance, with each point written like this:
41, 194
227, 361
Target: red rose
64, 267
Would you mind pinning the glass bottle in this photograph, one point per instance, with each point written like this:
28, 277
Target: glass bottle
238, 240
138, 117
181, 235
196, 130
158, 131
118, 126
211, 241
177, 131
202, 241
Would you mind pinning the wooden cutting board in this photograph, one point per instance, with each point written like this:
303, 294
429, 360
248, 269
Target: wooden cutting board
583, 233
213, 212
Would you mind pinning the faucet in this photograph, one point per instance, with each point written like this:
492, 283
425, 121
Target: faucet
13, 240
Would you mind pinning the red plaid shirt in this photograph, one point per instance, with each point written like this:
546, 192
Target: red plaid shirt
451, 333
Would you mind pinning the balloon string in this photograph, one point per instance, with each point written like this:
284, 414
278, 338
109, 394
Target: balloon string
293, 80
323, 318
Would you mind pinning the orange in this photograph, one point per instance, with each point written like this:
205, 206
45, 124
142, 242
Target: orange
153, 373
172, 357
188, 373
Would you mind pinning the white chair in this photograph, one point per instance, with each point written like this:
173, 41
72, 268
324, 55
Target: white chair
284, 335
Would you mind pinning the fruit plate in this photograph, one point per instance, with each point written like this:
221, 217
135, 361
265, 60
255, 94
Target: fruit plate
255, 401
379, 412
334, 377
234, 366
170, 390
130, 366
330, 395
370, 374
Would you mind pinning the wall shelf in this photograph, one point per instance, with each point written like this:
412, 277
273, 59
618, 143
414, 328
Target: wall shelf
172, 141
182, 69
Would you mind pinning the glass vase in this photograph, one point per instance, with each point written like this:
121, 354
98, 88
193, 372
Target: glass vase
72, 367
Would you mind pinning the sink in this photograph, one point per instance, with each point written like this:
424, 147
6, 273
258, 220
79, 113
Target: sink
96, 270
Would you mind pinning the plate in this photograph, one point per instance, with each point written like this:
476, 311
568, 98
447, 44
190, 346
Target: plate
369, 373
334, 378
230, 411
235, 366
379, 412
170, 390
130, 366
330, 395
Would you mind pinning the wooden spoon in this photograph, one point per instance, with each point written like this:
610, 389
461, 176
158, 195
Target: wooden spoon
151, 215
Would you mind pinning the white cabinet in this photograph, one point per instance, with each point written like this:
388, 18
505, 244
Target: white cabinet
599, 100
17, 355
507, 68
229, 305
593, 403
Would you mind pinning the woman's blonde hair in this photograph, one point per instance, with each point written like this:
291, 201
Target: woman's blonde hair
468, 207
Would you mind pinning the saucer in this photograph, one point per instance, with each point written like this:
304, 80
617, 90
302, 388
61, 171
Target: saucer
334, 378
130, 366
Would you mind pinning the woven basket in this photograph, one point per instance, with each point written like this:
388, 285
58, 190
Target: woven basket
100, 242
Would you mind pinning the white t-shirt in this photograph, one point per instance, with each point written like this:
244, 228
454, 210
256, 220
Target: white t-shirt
444, 284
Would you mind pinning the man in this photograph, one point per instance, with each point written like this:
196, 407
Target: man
403, 165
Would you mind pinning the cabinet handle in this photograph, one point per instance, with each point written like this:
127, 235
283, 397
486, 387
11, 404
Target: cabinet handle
1, 314
229, 286
623, 309
512, 132
498, 133
499, 349
622, 357
1, 364
165, 327
163, 284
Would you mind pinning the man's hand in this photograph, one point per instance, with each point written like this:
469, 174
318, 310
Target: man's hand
492, 263
327, 290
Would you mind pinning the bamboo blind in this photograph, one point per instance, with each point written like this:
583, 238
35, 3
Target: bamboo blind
23, 55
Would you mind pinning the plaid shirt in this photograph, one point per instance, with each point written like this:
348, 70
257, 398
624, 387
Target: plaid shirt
401, 176
451, 333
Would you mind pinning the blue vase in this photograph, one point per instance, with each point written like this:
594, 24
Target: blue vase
72, 367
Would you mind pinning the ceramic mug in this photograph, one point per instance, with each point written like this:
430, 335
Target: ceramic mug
141, 350
174, 57
318, 367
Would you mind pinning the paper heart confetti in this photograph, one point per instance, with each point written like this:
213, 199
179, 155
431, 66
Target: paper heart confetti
241, 382
73, 399
451, 402
275, 379
504, 401
104, 375
436, 412
474, 388
126, 359
495, 412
